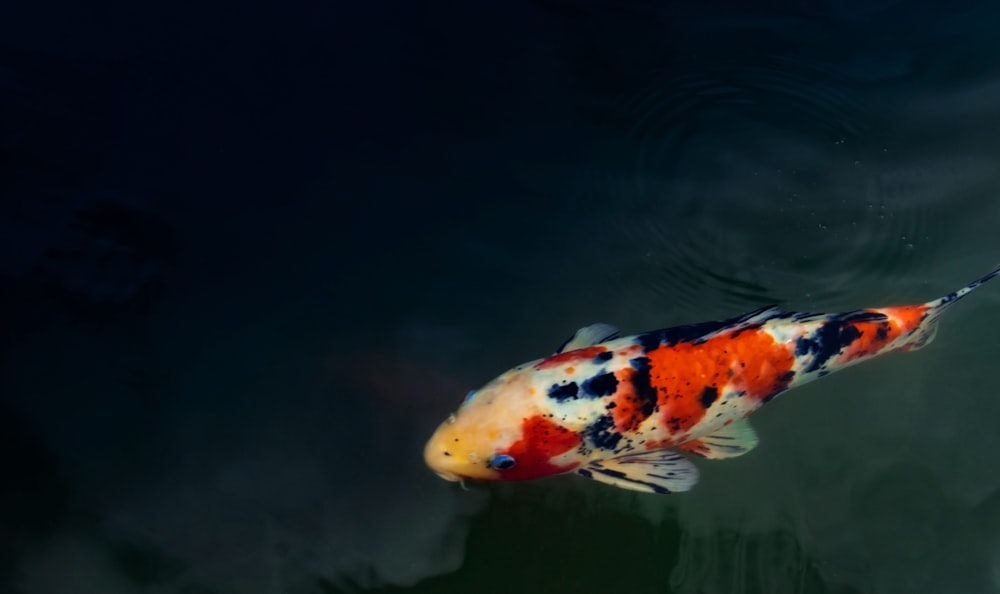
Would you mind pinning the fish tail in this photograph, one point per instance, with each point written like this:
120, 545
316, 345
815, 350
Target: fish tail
928, 328
939, 305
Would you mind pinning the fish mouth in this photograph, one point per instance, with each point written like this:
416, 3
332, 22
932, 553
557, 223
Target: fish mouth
456, 456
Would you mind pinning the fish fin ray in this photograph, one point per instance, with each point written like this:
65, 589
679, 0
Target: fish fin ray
589, 336
852, 317
731, 441
661, 472
760, 315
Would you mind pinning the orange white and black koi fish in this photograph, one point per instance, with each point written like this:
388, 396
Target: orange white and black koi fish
619, 410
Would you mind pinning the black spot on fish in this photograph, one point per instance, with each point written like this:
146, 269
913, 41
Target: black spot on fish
605, 356
650, 341
670, 336
626, 448
803, 346
585, 473
709, 395
604, 384
563, 392
645, 393
829, 340
883, 331
602, 433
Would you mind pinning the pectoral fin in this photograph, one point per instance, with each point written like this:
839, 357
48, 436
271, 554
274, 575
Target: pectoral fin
733, 440
662, 472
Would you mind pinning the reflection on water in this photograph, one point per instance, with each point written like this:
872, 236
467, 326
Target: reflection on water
224, 383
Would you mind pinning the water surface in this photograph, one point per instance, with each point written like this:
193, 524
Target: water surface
253, 255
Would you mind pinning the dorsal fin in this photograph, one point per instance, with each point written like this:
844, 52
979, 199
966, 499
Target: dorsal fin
857, 316
589, 336
759, 315
702, 331
747, 320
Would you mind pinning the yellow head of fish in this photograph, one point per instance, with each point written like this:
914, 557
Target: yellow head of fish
502, 432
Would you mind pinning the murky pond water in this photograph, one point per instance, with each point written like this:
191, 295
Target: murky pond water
253, 256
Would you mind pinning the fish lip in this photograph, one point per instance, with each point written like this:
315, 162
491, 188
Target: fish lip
448, 476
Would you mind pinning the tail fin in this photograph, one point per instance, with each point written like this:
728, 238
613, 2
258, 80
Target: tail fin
939, 305
934, 309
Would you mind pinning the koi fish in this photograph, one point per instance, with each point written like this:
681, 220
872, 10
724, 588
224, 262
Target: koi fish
631, 411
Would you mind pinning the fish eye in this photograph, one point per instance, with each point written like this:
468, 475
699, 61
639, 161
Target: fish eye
502, 462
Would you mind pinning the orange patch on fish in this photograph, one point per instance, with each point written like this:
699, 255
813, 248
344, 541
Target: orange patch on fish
628, 411
659, 444
875, 335
695, 446
906, 317
689, 376
540, 441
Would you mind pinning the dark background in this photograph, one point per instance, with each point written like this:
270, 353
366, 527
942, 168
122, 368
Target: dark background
250, 254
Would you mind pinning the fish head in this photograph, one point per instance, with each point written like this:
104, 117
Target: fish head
501, 432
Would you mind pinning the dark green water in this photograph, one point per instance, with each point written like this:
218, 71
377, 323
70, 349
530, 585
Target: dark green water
252, 256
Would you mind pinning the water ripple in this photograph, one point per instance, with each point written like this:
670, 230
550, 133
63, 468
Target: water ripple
761, 180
